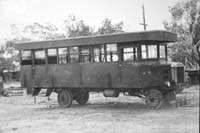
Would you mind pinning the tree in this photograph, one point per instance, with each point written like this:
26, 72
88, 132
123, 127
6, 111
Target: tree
108, 28
185, 22
75, 27
37, 31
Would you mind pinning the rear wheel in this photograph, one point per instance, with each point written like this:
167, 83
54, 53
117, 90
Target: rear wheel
154, 99
82, 97
65, 98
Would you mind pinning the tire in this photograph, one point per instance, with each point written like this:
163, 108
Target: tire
154, 99
65, 98
82, 98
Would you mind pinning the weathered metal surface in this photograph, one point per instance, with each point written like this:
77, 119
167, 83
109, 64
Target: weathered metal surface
95, 76
157, 35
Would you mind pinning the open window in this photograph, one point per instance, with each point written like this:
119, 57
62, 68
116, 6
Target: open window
85, 55
62, 55
112, 54
149, 51
52, 56
26, 57
74, 54
39, 57
99, 54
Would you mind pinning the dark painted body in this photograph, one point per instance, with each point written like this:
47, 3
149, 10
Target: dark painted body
95, 76
121, 75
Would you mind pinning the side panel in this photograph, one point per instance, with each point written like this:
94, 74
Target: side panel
26, 77
95, 75
101, 75
130, 75
154, 75
57, 75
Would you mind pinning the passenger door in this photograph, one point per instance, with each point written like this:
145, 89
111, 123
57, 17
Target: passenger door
129, 66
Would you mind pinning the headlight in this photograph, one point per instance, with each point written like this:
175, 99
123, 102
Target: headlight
167, 83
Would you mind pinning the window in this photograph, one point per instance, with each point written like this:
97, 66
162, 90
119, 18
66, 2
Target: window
39, 57
162, 51
129, 53
26, 57
74, 54
85, 55
62, 56
52, 56
149, 51
112, 54
99, 55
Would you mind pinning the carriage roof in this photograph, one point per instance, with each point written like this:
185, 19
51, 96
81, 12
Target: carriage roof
160, 36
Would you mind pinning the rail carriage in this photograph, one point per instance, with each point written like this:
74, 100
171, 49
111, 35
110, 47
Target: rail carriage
132, 63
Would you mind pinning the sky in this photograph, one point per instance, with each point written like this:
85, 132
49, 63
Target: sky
25, 12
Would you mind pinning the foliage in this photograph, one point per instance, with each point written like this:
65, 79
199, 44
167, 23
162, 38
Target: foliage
75, 27
108, 28
185, 22
36, 32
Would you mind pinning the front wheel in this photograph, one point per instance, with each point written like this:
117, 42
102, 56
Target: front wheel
154, 99
65, 98
82, 97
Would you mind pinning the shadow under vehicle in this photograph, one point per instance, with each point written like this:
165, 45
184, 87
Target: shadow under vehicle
131, 63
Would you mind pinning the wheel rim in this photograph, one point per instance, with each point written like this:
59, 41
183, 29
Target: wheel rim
65, 98
154, 99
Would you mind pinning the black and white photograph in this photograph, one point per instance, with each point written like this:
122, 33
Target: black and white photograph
99, 66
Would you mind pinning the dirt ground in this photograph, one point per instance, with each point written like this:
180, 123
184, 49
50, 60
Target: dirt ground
125, 114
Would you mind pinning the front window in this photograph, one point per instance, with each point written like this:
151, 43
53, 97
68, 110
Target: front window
112, 54
26, 57
162, 51
39, 57
149, 51
74, 54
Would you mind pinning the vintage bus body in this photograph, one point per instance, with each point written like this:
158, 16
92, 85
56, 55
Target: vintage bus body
133, 63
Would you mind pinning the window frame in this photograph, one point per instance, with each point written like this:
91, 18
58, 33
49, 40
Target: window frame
21, 58
78, 54
66, 55
50, 56
83, 54
45, 57
164, 50
147, 51
112, 53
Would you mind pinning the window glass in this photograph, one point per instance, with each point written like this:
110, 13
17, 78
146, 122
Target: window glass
85, 55
149, 51
162, 51
112, 54
144, 51
129, 53
74, 54
52, 56
26, 57
99, 55
39, 57
152, 51
62, 55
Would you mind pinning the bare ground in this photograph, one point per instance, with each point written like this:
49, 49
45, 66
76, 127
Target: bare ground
125, 114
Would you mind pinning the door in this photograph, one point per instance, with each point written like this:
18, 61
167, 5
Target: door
129, 66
